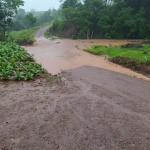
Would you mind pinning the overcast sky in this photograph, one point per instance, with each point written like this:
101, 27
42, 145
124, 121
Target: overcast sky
40, 5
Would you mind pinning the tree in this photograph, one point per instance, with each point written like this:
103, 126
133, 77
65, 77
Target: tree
31, 20
71, 3
19, 21
105, 18
7, 10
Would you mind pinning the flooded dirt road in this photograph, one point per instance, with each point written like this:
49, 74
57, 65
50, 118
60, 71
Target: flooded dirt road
63, 54
89, 109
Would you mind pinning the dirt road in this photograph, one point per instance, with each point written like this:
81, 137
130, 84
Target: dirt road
63, 54
90, 109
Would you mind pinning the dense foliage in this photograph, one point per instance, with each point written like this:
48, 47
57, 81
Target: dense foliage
16, 63
104, 19
7, 9
25, 20
23, 37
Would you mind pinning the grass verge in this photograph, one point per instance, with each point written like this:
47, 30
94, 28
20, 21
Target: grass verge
23, 37
141, 54
47, 35
26, 36
17, 64
133, 56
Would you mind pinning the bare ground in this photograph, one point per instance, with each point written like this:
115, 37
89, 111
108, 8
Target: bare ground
90, 109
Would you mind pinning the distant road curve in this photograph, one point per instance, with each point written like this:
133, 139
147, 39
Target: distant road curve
40, 33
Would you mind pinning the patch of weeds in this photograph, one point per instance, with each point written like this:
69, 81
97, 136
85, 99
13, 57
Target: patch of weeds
97, 46
146, 42
145, 53
137, 45
77, 46
74, 37
46, 97
124, 147
48, 78
58, 78
135, 59
86, 46
24, 41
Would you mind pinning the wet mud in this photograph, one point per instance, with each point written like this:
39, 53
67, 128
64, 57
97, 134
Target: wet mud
90, 109
63, 54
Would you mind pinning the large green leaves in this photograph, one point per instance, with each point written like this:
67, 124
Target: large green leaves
16, 63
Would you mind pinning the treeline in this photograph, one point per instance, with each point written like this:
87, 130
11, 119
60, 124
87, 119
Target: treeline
104, 19
13, 18
24, 20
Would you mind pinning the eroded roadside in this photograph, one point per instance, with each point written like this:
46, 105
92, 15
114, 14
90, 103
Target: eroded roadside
89, 109
64, 54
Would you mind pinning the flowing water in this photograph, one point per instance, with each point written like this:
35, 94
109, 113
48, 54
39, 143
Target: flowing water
63, 54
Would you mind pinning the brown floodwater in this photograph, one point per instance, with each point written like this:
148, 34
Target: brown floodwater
64, 54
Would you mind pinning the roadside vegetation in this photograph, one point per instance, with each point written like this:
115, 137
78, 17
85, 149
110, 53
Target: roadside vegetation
47, 34
18, 27
17, 64
25, 36
135, 56
109, 19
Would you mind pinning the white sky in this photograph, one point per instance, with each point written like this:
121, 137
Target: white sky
40, 5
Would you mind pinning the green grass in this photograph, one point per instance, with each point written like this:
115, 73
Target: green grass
17, 64
25, 34
114, 51
47, 35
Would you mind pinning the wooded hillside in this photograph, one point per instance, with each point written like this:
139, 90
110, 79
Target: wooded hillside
104, 19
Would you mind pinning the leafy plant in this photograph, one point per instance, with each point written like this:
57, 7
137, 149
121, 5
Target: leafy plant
18, 75
28, 76
17, 64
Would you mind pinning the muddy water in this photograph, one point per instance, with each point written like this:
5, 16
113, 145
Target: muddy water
63, 54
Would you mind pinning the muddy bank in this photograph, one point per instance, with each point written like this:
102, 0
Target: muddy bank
143, 68
91, 108
63, 54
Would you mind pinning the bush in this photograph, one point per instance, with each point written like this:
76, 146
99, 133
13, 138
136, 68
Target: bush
146, 42
74, 37
132, 45
25, 41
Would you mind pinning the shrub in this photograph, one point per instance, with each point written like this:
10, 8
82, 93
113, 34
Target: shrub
146, 42
25, 41
74, 37
132, 45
